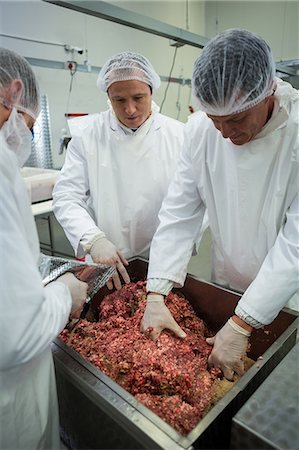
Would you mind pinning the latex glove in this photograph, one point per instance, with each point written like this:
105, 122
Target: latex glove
104, 252
230, 345
157, 317
78, 290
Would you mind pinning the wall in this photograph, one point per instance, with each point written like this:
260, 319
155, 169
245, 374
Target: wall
275, 21
50, 23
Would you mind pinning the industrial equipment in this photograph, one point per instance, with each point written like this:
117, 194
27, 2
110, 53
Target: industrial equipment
269, 419
95, 412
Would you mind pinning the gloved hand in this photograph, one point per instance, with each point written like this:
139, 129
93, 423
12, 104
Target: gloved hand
78, 290
157, 317
230, 345
104, 252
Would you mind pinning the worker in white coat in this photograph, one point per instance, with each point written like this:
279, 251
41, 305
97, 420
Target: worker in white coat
118, 167
31, 315
240, 162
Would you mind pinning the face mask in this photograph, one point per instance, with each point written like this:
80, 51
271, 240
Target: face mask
18, 136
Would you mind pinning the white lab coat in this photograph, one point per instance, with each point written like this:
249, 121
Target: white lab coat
251, 195
116, 181
31, 317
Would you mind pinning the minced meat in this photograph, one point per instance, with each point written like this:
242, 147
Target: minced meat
169, 376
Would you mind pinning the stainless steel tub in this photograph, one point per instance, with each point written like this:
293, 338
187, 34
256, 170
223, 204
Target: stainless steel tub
96, 413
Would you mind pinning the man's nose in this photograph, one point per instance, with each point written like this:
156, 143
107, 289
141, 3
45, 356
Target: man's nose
130, 107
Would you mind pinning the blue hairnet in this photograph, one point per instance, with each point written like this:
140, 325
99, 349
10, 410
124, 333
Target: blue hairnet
234, 72
127, 66
15, 67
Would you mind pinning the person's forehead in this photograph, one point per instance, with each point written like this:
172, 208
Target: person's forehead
128, 87
228, 117
248, 112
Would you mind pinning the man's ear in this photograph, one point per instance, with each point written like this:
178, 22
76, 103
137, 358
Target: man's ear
13, 93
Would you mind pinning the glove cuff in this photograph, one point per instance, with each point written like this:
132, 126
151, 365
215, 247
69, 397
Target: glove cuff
237, 328
95, 238
155, 297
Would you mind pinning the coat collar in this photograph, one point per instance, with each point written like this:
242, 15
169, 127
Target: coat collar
153, 122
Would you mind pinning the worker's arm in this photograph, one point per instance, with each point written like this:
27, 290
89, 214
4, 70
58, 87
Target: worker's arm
31, 316
181, 217
278, 278
275, 284
70, 197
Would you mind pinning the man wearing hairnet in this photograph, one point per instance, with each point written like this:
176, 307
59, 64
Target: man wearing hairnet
31, 315
118, 167
240, 163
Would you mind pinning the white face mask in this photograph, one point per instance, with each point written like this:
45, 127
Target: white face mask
18, 136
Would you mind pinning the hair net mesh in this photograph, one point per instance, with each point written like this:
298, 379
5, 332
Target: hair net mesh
15, 67
127, 66
234, 72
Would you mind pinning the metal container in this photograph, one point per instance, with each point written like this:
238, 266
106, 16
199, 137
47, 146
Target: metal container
270, 418
39, 182
96, 413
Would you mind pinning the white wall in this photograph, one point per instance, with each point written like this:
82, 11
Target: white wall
275, 21
42, 21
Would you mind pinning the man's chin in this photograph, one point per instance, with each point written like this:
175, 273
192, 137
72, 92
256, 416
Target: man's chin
133, 123
239, 140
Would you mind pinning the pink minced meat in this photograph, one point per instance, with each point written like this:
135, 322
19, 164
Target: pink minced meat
169, 376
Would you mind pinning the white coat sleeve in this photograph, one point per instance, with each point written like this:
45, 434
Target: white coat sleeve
70, 197
31, 316
278, 278
180, 217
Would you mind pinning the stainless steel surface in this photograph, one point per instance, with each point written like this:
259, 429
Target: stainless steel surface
270, 418
41, 153
96, 412
52, 238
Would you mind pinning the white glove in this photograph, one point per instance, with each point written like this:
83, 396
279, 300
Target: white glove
157, 317
78, 290
230, 345
103, 251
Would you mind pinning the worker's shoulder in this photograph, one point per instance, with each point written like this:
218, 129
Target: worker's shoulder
169, 120
197, 121
197, 115
84, 123
288, 98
